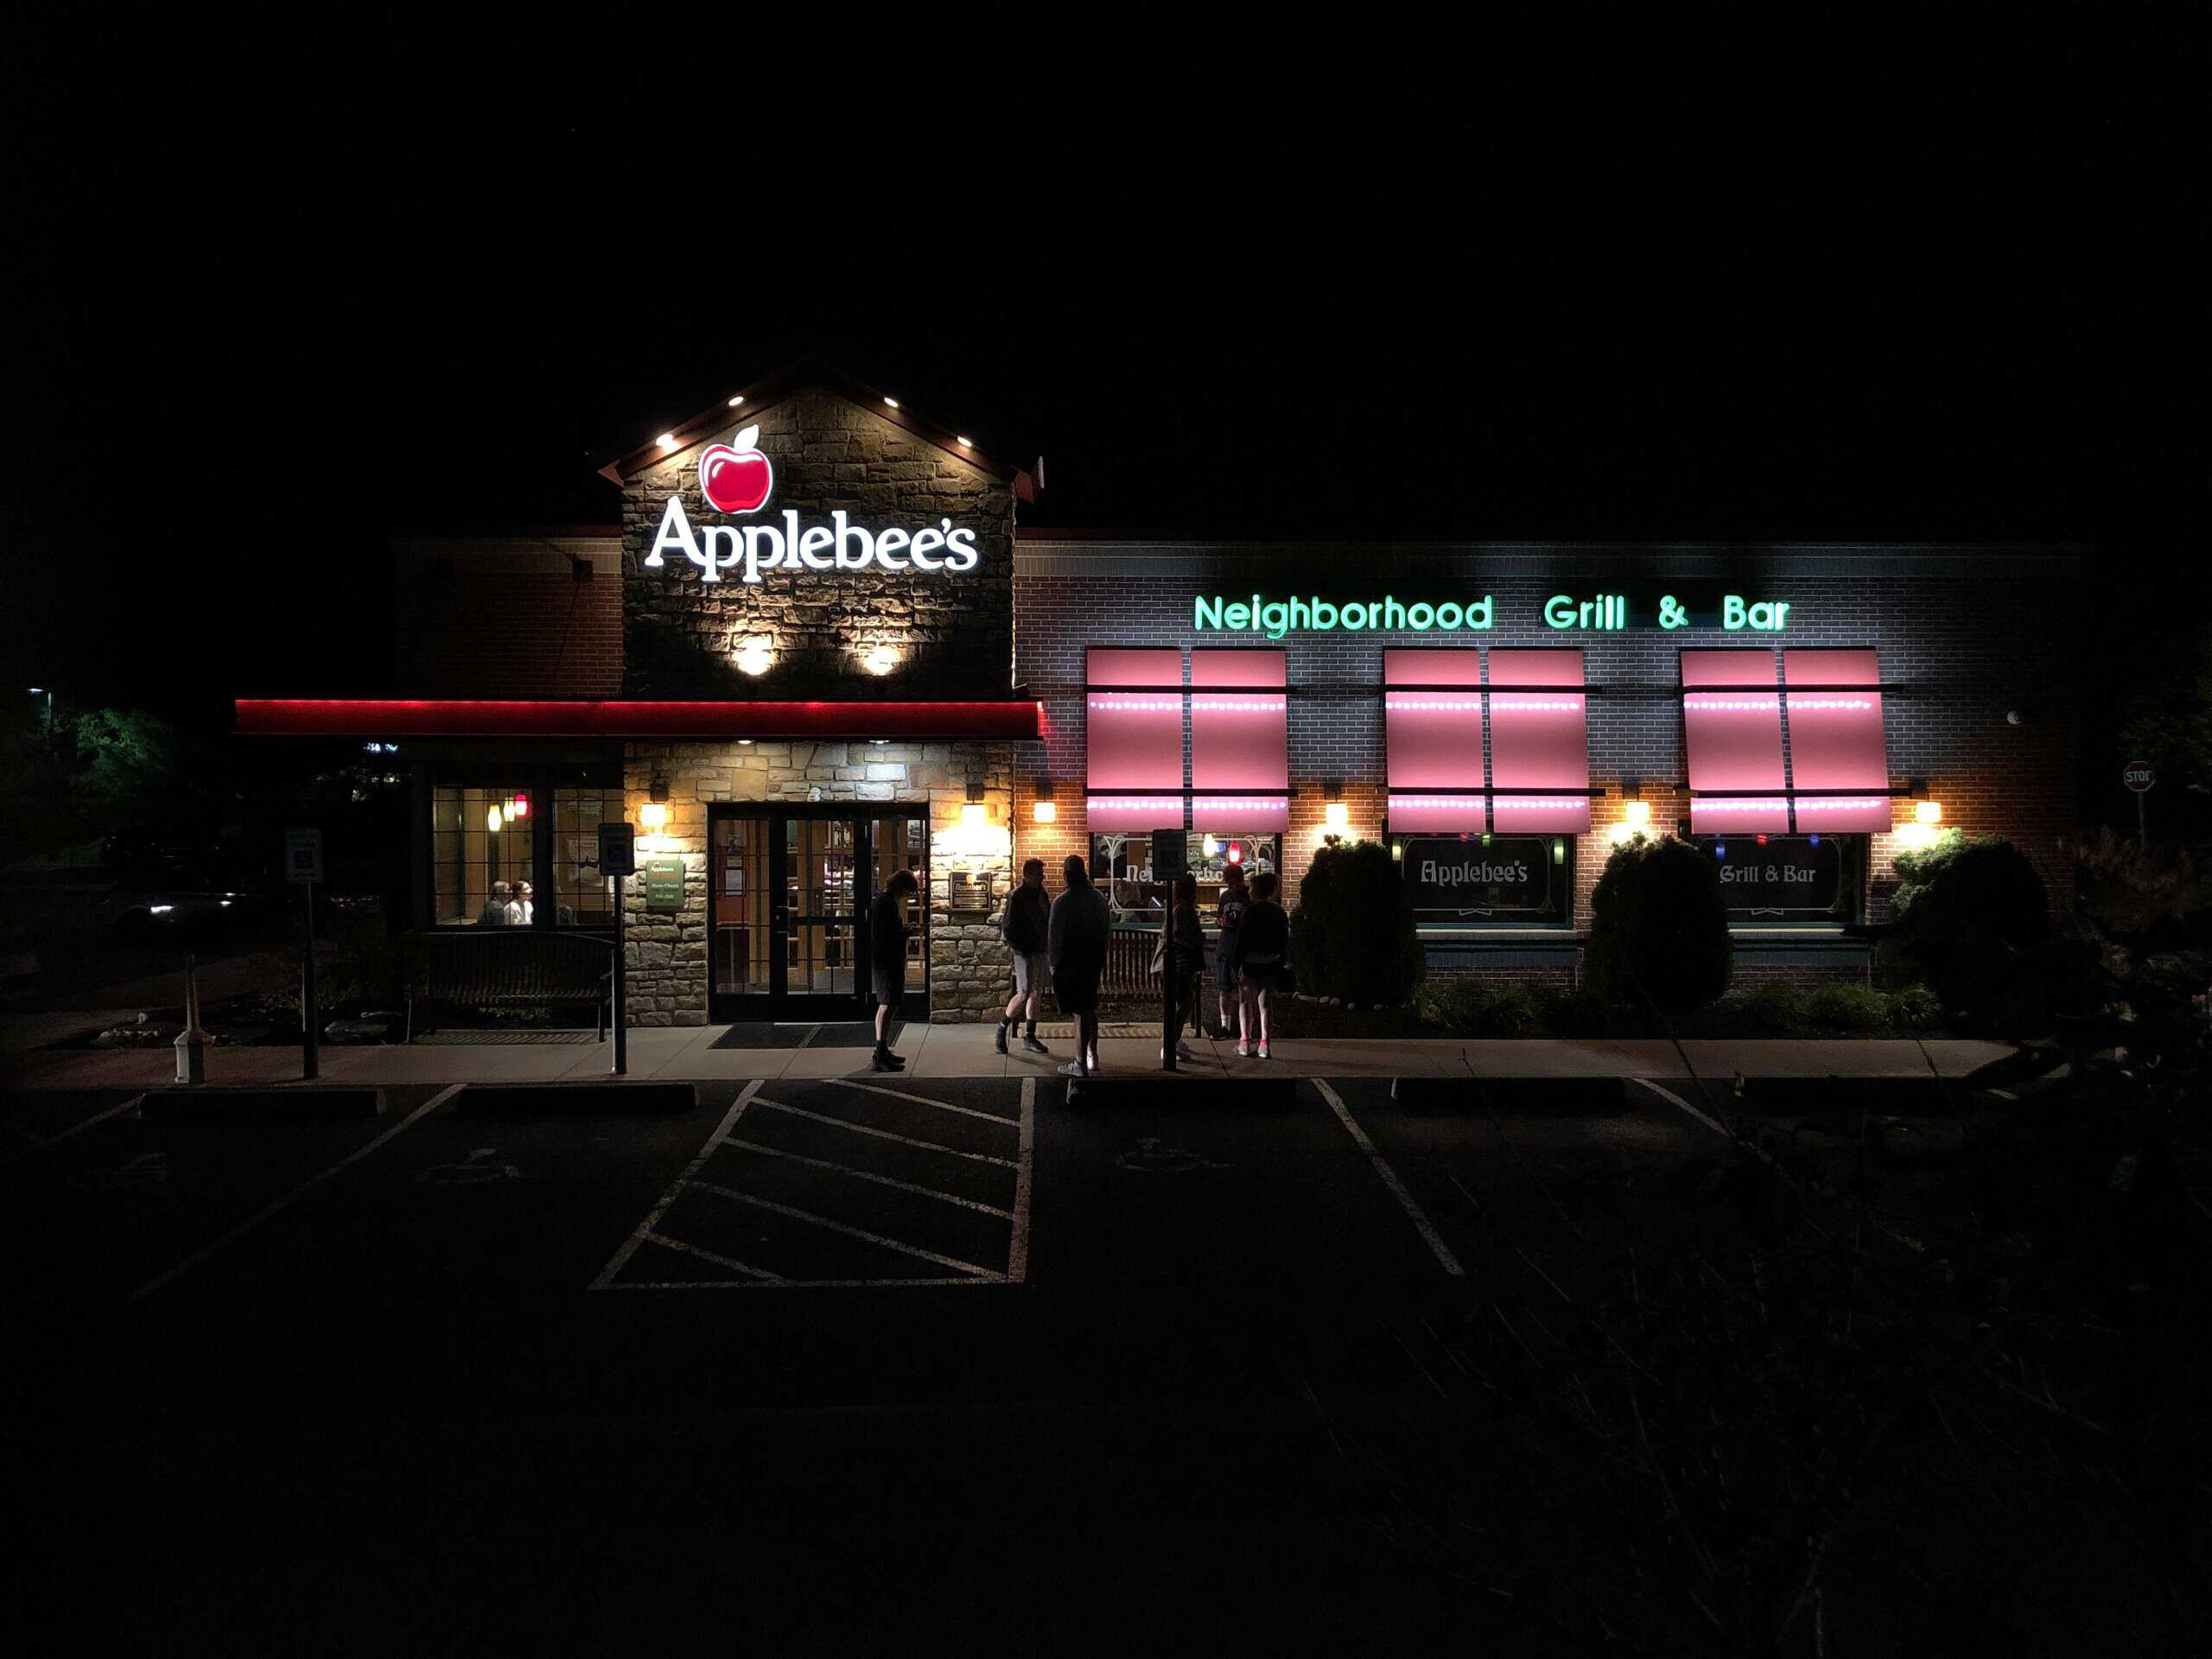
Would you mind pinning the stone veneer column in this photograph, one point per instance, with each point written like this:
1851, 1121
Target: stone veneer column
970, 973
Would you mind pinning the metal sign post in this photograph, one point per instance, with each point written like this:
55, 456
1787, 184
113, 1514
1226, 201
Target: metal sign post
618, 857
2138, 777
1170, 861
303, 868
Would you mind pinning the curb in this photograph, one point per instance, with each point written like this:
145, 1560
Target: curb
279, 1104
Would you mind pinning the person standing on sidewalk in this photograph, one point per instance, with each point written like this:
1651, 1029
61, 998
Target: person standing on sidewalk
1186, 964
886, 960
1025, 928
1261, 943
1229, 916
1076, 942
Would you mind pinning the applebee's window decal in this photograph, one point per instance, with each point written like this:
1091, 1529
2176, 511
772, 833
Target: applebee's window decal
736, 478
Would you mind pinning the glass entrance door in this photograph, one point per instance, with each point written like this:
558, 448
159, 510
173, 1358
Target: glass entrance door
788, 937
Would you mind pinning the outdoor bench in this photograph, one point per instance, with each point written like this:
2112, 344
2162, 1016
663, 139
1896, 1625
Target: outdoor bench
511, 967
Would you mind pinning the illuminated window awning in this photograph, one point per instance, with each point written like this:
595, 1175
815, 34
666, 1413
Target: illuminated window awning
1133, 739
1240, 745
1834, 777
1539, 743
1433, 737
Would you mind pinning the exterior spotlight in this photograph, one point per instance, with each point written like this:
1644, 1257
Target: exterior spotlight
753, 658
653, 816
962, 443
1927, 811
667, 441
736, 401
1045, 811
893, 402
881, 660
1638, 814
1337, 815
975, 815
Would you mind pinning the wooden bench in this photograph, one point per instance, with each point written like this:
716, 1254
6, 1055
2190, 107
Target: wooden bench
511, 967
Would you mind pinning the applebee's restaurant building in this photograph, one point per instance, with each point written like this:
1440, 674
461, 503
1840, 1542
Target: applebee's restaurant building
818, 648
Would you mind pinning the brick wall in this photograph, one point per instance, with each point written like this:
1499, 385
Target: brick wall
510, 616
951, 632
1967, 633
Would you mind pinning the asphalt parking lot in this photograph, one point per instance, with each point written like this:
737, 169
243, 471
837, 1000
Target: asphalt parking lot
1009, 1348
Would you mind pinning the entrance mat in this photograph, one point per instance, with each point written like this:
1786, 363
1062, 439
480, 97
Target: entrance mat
827, 1033
504, 1039
575, 1099
276, 1102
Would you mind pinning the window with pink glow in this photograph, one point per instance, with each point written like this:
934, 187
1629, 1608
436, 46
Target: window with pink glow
1132, 723
1731, 723
1835, 736
1239, 727
1539, 742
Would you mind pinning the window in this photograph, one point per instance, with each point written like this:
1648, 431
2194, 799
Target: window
1123, 866
1532, 775
1834, 777
1240, 754
1771, 880
1133, 738
579, 890
481, 842
1472, 879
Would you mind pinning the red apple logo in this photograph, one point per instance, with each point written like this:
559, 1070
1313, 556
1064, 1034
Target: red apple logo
735, 477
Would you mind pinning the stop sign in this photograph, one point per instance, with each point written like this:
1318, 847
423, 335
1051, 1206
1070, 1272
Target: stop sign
2137, 776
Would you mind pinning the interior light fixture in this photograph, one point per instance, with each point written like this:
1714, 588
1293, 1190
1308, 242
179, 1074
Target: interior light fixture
667, 441
1212, 846
491, 818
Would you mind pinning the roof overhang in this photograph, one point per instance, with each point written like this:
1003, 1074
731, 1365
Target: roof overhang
1014, 720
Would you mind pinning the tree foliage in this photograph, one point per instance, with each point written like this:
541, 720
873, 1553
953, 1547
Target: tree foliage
1658, 927
1352, 935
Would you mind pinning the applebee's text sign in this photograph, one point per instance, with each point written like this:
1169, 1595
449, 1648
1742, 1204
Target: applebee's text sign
736, 479
1448, 879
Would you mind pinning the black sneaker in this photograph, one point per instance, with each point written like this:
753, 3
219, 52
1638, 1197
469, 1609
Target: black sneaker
1000, 1041
1030, 1042
883, 1060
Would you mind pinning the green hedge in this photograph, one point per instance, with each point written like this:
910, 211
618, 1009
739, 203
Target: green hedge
1658, 930
1352, 935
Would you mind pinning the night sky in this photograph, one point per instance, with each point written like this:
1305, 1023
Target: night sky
262, 311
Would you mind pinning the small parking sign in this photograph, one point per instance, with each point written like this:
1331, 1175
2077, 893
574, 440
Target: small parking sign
303, 855
618, 849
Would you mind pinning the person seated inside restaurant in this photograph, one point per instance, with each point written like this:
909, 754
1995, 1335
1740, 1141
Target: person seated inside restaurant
520, 910
494, 913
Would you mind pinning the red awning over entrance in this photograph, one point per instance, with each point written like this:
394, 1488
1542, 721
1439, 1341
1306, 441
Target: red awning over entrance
391, 718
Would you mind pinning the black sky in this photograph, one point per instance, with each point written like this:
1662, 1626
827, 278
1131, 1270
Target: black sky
265, 305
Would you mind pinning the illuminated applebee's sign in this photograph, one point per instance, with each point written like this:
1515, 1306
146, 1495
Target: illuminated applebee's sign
736, 478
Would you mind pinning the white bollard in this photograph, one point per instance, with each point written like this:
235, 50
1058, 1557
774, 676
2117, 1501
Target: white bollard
191, 1042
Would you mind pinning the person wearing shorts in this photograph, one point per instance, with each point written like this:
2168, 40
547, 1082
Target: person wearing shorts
1229, 916
886, 960
1263, 951
1026, 928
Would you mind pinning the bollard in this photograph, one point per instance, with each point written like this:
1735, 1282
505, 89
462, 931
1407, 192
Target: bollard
191, 1042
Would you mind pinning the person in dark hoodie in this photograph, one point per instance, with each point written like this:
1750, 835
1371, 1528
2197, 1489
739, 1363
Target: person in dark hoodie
1025, 926
1076, 940
886, 960
1262, 954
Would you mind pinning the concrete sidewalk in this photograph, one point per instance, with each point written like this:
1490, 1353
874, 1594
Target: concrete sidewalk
688, 1053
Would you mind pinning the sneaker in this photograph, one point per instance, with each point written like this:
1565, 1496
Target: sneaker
883, 1060
1000, 1041
1264, 1051
1030, 1043
1183, 1051
1074, 1069
1243, 1048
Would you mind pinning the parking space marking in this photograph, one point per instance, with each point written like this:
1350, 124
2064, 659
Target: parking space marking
96, 1119
161, 1280
886, 1134
621, 1258
812, 1219
719, 1260
788, 1284
870, 1175
923, 1100
1017, 1254
1413, 1212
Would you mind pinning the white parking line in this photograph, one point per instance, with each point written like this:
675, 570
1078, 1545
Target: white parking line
923, 1100
296, 1194
730, 1261
787, 1284
675, 1188
1017, 1252
870, 1175
1414, 1213
78, 1129
812, 1219
886, 1134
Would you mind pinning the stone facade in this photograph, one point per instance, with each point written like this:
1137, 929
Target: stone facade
969, 974
951, 633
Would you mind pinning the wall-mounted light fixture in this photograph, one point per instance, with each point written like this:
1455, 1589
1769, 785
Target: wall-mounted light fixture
667, 441
653, 817
753, 657
1045, 808
1638, 814
1335, 812
1927, 811
736, 401
880, 659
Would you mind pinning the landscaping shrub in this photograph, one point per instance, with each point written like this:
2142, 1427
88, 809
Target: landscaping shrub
1915, 1007
1477, 1009
1781, 1009
1657, 928
1352, 934
1853, 1008
1971, 919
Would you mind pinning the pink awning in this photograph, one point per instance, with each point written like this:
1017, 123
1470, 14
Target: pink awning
1732, 720
1739, 815
1842, 814
1433, 738
1133, 740
1836, 730
1444, 814
1239, 733
1125, 813
1237, 815
1538, 742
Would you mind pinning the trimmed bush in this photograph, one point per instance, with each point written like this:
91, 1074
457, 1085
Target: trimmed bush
1847, 1007
1915, 1007
1973, 922
1658, 931
1352, 934
1480, 1009
1782, 1010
